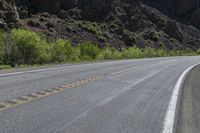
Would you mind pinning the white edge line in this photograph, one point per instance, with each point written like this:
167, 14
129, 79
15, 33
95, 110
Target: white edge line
171, 111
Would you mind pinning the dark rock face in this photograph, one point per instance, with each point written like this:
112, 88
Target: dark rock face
173, 29
172, 23
189, 10
9, 14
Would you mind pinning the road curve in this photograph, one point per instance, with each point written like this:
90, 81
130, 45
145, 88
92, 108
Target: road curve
189, 111
130, 96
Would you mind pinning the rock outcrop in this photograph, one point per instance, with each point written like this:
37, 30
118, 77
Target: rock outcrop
8, 14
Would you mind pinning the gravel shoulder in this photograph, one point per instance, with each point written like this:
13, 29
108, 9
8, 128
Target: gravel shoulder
189, 113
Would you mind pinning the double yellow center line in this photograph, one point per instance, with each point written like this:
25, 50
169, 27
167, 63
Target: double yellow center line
38, 95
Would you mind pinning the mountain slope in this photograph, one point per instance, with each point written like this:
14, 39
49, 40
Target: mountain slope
173, 24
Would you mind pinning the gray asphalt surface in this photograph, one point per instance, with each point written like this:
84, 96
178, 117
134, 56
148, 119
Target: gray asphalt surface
189, 114
132, 97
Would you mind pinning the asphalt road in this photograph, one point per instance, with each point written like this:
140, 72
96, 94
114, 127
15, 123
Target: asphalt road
130, 96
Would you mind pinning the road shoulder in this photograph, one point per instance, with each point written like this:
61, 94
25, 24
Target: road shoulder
189, 111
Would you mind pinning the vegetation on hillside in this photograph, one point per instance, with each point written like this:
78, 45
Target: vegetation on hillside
28, 48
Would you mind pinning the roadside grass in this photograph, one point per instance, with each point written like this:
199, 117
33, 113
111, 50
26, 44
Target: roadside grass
2, 67
5, 67
27, 48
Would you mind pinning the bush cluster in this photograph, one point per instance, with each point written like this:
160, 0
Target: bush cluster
28, 48
1, 46
88, 51
62, 51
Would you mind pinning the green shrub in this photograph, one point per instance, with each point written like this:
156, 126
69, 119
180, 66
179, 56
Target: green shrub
198, 51
1, 46
62, 51
132, 52
116, 54
44, 53
175, 53
149, 52
101, 37
29, 47
88, 51
111, 53
161, 53
94, 24
82, 25
75, 54
93, 30
107, 53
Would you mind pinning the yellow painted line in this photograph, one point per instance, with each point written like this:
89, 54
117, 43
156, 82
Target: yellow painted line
11, 102
34, 95
41, 94
2, 105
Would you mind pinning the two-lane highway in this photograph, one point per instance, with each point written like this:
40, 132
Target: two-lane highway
130, 96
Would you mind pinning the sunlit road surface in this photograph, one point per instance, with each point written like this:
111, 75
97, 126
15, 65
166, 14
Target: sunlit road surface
130, 96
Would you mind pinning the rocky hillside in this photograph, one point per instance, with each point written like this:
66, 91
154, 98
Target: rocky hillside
172, 24
188, 11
